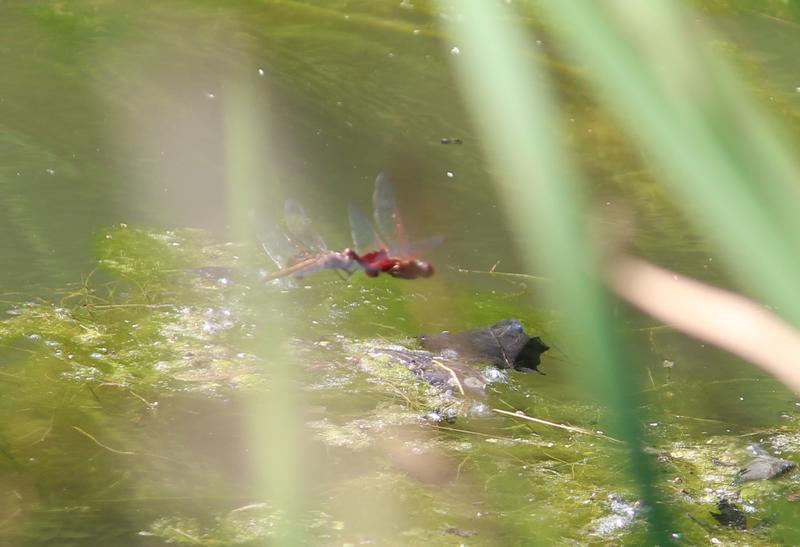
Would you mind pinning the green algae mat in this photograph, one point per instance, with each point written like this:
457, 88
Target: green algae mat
174, 396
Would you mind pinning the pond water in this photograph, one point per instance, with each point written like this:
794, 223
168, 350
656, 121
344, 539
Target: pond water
149, 136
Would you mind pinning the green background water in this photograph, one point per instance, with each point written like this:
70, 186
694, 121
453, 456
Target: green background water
114, 112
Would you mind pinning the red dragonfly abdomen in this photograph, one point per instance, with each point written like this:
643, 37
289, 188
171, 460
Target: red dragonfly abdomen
376, 262
410, 269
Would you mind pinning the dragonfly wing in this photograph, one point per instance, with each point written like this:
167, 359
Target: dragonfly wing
277, 246
299, 226
364, 237
425, 246
387, 217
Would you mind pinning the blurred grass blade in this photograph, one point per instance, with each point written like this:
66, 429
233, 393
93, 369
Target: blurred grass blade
509, 99
654, 66
707, 313
272, 421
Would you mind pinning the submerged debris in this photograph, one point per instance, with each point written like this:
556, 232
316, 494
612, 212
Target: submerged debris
450, 378
730, 515
503, 344
461, 532
763, 466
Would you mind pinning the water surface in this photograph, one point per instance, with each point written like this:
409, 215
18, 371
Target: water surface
199, 115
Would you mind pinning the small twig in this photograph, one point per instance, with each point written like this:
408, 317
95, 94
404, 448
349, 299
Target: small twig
452, 373
49, 428
709, 420
756, 433
493, 272
553, 471
10, 517
168, 498
652, 328
146, 306
479, 434
460, 466
125, 476
260, 505
146, 403
659, 387
733, 381
554, 424
397, 391
772, 18
96, 398
181, 532
559, 460
101, 445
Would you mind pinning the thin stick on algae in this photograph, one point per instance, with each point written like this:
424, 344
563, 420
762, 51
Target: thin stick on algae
146, 403
695, 418
494, 273
128, 452
571, 428
146, 306
84, 291
652, 328
150, 406
96, 398
397, 391
487, 435
101, 445
123, 477
461, 466
169, 498
659, 387
185, 534
48, 429
11, 517
452, 373
756, 433
139, 286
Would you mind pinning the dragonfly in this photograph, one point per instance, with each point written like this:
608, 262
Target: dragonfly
299, 251
388, 249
